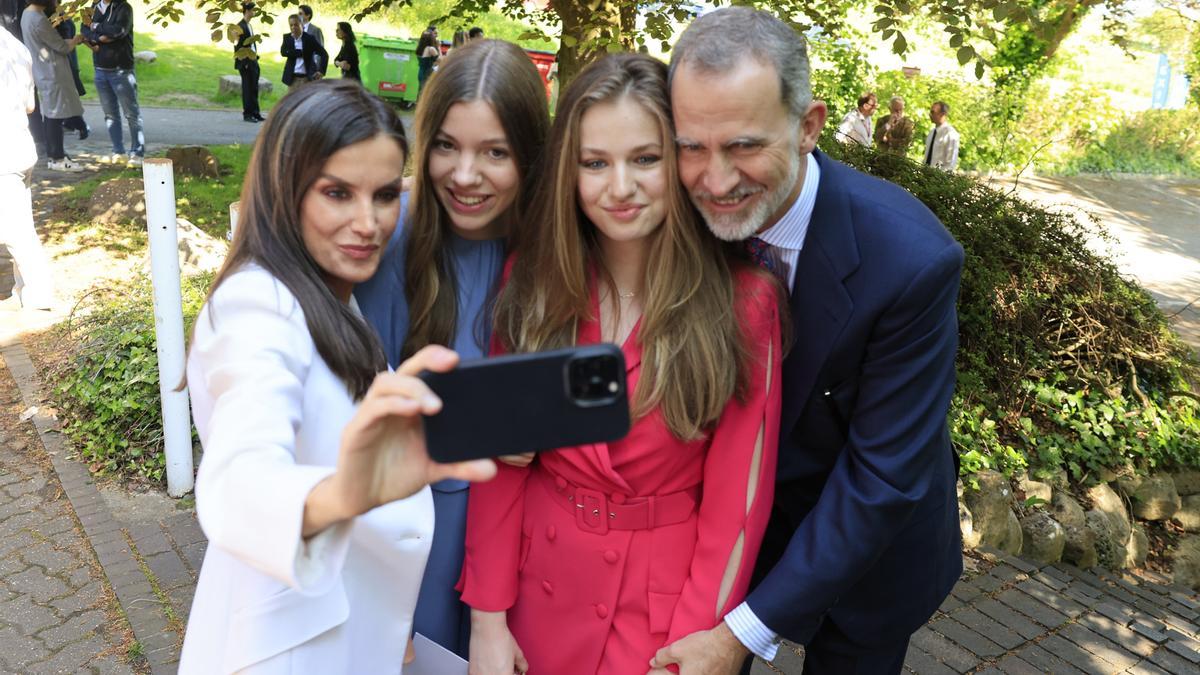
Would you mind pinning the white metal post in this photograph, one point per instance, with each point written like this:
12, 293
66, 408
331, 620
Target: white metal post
159, 180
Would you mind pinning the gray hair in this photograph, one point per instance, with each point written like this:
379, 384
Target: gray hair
895, 100
720, 41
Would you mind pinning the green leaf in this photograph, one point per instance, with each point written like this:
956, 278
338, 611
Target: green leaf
965, 54
569, 41
900, 45
956, 40
1000, 11
979, 70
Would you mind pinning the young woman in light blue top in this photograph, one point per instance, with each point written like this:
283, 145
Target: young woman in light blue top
479, 127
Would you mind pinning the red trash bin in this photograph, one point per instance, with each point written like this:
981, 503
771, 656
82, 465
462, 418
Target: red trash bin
543, 61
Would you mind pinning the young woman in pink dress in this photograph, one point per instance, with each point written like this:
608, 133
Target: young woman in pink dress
593, 557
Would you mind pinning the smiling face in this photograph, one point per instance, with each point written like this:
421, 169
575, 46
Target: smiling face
622, 176
349, 212
473, 171
741, 154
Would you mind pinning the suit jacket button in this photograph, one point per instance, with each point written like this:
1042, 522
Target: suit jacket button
601, 611
611, 556
547, 587
551, 533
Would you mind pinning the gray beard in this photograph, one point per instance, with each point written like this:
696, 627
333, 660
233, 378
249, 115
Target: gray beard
741, 226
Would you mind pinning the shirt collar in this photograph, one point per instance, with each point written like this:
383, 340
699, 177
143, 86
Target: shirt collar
791, 229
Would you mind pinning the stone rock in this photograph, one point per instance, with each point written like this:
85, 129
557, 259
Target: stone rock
1080, 545
1138, 546
120, 200
1187, 482
194, 160
1013, 537
146, 56
198, 250
1110, 549
1188, 514
990, 508
1185, 562
970, 536
1033, 488
1108, 502
232, 85
1153, 497
1042, 537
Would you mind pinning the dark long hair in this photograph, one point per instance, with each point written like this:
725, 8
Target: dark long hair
306, 127
485, 70
347, 32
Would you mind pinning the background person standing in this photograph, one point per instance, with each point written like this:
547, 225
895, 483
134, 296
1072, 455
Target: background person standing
347, 57
16, 204
856, 125
306, 58
111, 32
247, 66
52, 75
941, 145
894, 131
309, 27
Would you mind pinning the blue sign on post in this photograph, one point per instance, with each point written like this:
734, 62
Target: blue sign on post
1162, 83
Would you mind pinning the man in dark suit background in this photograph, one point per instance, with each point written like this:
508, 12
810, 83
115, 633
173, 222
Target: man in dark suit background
247, 66
306, 58
863, 543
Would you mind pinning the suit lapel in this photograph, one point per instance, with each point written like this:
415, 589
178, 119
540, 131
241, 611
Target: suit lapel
820, 303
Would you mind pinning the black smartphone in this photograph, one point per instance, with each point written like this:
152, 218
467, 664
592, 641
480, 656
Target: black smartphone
528, 402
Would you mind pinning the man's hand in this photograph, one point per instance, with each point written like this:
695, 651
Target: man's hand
709, 652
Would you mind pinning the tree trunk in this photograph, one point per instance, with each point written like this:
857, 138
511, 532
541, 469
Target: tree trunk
585, 23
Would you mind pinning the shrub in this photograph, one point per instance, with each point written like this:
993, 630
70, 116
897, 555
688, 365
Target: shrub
107, 387
1152, 141
1062, 361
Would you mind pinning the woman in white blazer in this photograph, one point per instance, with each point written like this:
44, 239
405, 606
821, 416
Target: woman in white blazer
313, 486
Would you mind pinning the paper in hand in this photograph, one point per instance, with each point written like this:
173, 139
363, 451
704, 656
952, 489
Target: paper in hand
434, 659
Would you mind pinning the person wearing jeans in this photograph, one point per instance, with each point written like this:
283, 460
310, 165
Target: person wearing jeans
111, 32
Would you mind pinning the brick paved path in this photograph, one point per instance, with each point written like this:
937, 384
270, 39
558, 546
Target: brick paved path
57, 614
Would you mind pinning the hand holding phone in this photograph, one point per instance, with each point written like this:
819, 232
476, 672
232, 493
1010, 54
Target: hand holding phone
509, 405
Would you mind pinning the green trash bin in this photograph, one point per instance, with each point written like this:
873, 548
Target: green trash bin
389, 68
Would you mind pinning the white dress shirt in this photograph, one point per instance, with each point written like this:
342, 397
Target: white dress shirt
855, 127
941, 147
786, 239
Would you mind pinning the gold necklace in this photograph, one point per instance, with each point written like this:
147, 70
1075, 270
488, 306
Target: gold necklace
626, 296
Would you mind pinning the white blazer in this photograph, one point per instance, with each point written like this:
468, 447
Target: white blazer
944, 140
270, 415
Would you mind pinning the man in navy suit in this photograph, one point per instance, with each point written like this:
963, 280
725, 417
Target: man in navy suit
863, 543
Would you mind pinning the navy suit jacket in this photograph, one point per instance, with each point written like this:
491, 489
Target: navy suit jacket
866, 514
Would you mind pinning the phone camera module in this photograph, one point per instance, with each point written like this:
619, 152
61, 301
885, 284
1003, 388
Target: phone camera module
594, 380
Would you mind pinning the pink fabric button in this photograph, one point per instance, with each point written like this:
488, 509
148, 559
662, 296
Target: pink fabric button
618, 498
601, 611
547, 587
560, 482
611, 557
551, 533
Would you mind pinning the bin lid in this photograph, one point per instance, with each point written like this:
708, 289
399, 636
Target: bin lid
387, 42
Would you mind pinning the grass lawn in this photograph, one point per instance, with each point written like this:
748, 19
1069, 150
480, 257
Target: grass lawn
202, 201
185, 75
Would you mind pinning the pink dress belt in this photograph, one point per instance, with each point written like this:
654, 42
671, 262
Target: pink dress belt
596, 512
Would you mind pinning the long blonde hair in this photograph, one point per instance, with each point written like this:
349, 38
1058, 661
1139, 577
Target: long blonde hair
693, 356
501, 74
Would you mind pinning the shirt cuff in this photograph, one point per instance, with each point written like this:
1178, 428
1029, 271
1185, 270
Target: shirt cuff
752, 632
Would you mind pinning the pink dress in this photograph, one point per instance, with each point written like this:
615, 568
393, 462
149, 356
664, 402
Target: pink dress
604, 553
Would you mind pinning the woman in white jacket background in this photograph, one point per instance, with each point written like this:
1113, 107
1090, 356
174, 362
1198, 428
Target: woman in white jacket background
313, 486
